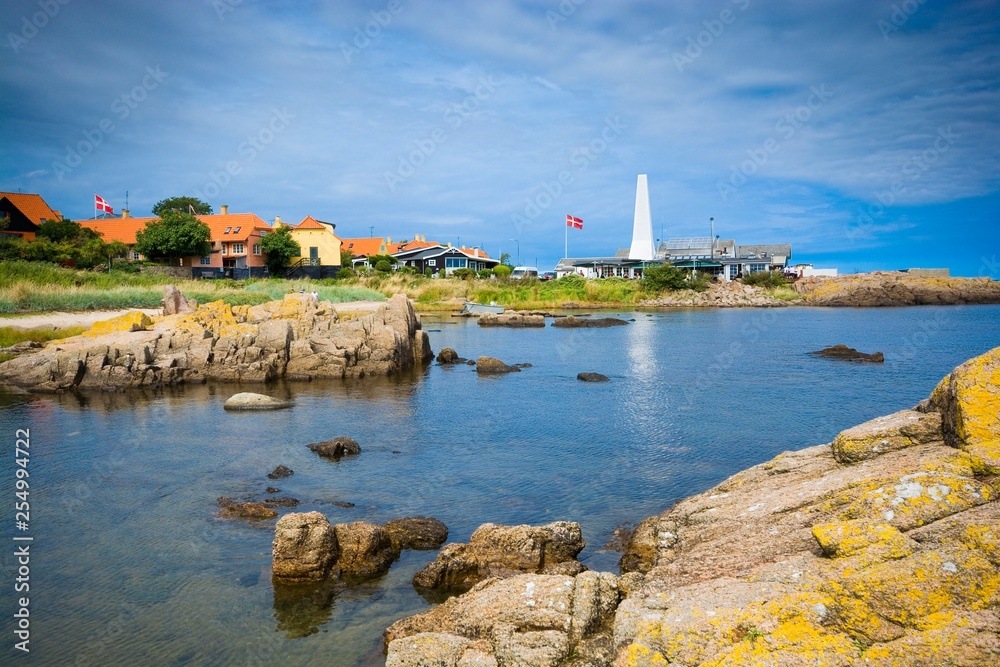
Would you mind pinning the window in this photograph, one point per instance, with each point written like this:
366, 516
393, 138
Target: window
237, 230
227, 230
237, 248
432, 262
256, 248
206, 261
263, 233
454, 262
135, 256
224, 248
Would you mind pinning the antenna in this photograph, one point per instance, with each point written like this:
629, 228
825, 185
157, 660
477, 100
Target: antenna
126, 199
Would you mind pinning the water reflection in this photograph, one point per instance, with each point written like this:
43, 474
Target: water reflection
301, 609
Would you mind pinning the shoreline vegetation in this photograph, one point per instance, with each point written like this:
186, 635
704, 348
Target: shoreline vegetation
32, 287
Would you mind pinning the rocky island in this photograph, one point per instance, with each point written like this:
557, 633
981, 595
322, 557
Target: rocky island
881, 548
295, 338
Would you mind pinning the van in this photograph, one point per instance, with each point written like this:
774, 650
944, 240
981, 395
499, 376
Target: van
523, 272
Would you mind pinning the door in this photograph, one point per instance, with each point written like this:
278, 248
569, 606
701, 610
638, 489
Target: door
314, 256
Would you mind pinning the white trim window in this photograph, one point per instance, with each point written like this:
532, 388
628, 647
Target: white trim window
206, 261
237, 249
256, 248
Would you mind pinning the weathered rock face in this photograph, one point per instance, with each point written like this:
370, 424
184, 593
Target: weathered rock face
895, 289
502, 551
250, 401
295, 338
573, 322
510, 320
365, 550
844, 353
491, 365
418, 532
305, 547
523, 620
336, 448
907, 570
176, 303
969, 401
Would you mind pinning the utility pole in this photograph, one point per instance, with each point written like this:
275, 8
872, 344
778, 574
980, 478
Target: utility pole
371, 231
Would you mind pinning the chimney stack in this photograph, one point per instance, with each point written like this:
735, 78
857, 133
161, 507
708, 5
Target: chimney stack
125, 213
224, 209
277, 221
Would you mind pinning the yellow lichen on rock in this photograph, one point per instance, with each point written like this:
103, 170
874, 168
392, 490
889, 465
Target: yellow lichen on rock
134, 321
886, 434
218, 318
917, 499
845, 538
969, 400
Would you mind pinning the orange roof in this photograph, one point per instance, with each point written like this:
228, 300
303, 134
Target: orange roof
310, 222
393, 248
124, 229
32, 206
475, 252
364, 246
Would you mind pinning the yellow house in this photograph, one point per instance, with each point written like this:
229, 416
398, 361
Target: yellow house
320, 255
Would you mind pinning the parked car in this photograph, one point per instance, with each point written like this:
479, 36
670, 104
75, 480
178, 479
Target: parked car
548, 275
520, 272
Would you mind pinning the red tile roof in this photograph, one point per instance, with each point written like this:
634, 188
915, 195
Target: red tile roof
364, 246
310, 222
32, 206
124, 229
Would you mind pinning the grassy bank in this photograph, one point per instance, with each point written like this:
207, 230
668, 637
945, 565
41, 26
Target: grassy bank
35, 286
12, 336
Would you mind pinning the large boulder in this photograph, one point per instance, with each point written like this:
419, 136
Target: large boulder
592, 377
247, 400
503, 551
515, 320
365, 550
532, 620
175, 303
419, 532
448, 356
969, 401
842, 352
489, 365
305, 547
882, 434
295, 338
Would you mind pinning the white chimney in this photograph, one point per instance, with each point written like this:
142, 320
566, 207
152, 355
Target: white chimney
224, 209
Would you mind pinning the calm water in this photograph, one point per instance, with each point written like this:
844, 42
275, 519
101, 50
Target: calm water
131, 565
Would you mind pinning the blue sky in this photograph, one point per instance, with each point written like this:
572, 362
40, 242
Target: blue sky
864, 133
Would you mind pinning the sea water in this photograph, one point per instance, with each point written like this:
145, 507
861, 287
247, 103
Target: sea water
130, 563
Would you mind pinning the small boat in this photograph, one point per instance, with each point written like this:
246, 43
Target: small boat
472, 308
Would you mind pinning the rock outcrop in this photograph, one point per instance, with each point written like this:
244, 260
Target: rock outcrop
895, 289
449, 356
880, 549
500, 551
843, 353
295, 338
175, 303
516, 320
420, 533
573, 322
592, 377
523, 620
336, 448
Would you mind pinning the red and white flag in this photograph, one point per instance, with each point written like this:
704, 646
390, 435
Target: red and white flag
101, 205
575, 223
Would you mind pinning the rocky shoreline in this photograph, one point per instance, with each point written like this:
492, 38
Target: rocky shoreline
881, 548
295, 338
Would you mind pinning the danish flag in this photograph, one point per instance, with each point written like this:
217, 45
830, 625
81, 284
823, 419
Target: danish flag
101, 205
575, 223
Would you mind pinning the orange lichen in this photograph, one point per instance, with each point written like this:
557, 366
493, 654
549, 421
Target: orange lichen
134, 321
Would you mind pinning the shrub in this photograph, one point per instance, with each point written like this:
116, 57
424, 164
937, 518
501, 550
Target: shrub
484, 273
382, 266
347, 274
766, 279
464, 274
663, 277
502, 271
406, 270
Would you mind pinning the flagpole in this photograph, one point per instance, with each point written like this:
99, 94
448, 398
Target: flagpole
566, 234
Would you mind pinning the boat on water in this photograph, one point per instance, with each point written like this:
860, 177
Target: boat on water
472, 308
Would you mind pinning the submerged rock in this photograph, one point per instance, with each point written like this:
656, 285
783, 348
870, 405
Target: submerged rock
573, 322
336, 448
250, 401
419, 532
592, 377
844, 353
280, 472
514, 320
500, 551
245, 510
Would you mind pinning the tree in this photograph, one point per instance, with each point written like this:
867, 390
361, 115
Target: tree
65, 231
184, 204
383, 266
346, 257
373, 260
505, 259
176, 234
280, 248
663, 277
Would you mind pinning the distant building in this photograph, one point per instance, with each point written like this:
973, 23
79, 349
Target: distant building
445, 260
22, 214
319, 255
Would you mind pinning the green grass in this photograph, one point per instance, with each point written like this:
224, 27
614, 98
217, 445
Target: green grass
37, 286
12, 336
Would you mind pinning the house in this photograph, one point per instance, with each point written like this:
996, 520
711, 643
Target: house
235, 240
363, 248
320, 249
21, 214
445, 259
